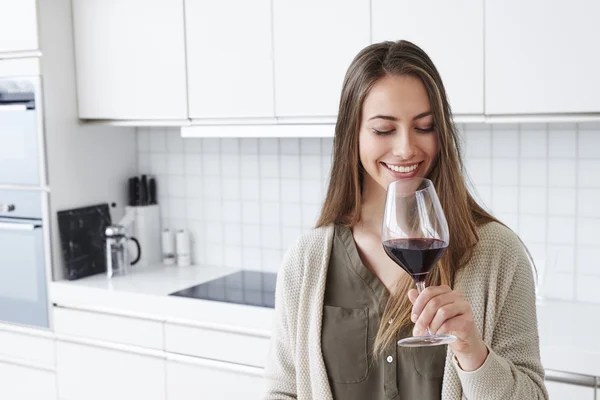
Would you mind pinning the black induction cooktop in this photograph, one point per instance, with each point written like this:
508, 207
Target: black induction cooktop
244, 287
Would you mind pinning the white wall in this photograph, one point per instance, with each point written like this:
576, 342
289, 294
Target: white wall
542, 180
87, 164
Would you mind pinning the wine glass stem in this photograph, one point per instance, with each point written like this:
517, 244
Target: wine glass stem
420, 288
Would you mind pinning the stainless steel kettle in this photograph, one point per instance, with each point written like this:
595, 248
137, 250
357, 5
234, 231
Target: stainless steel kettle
117, 254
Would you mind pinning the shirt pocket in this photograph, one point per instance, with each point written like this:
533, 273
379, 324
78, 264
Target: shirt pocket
344, 343
430, 361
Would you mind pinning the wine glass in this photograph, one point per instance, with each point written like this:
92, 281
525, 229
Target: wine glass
415, 236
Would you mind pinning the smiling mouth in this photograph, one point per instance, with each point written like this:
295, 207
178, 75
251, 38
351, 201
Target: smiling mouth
402, 169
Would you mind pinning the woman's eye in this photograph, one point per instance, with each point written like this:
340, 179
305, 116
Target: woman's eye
382, 132
425, 130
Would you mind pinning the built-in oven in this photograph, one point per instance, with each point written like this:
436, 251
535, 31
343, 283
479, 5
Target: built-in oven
21, 139
23, 198
23, 284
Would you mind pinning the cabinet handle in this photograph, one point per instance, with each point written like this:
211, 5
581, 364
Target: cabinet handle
6, 208
571, 378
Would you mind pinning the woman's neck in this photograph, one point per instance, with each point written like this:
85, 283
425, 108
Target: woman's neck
373, 203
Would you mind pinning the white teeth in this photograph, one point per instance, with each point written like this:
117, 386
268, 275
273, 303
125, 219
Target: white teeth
398, 168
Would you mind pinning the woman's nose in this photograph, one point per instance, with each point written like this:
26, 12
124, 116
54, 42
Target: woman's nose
403, 145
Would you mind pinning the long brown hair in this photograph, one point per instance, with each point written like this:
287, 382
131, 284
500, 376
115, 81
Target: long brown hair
344, 195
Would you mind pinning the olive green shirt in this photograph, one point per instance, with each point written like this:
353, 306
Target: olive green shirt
355, 300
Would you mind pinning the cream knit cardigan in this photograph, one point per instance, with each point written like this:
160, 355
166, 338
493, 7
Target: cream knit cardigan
497, 282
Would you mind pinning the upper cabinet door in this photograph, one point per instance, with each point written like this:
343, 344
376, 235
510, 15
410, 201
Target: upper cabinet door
450, 32
18, 25
315, 42
541, 56
229, 58
130, 58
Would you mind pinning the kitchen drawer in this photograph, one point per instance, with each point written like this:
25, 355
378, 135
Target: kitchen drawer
90, 371
28, 345
191, 378
19, 382
216, 344
27, 203
109, 327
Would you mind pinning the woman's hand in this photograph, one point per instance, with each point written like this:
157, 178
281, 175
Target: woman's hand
445, 311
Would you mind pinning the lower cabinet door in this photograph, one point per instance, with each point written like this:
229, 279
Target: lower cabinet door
19, 382
191, 378
93, 372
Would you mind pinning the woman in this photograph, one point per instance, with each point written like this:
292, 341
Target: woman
342, 304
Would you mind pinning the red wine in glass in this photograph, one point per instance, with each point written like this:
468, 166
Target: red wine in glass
415, 235
416, 256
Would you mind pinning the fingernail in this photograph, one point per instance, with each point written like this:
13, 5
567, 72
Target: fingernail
414, 317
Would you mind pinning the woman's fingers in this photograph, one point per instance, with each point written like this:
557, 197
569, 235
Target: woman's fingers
412, 295
445, 299
427, 294
446, 313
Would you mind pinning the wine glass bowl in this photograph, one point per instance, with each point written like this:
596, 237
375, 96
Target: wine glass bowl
415, 236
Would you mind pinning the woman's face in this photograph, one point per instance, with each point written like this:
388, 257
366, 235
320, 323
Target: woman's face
397, 138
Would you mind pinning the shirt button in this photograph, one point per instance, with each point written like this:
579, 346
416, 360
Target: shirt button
390, 359
390, 321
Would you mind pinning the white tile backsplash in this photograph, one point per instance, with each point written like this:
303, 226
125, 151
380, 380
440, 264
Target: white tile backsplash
533, 172
588, 261
589, 203
505, 142
561, 230
158, 140
505, 172
561, 258
588, 173
505, 199
289, 146
562, 201
589, 144
562, 173
480, 170
480, 143
245, 201
533, 143
587, 289
562, 142
532, 200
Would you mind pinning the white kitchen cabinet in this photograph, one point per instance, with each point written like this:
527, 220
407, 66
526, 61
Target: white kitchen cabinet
565, 391
27, 345
229, 58
112, 328
315, 42
18, 26
540, 57
230, 346
450, 32
20, 382
130, 59
93, 372
195, 378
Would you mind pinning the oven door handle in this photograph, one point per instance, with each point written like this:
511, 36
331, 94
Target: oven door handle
14, 226
13, 107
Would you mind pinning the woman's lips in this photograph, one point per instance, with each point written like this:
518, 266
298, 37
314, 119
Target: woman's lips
413, 170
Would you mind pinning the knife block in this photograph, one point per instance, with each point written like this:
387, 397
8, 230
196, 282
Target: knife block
146, 229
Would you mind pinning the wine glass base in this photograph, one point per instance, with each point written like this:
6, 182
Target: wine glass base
426, 341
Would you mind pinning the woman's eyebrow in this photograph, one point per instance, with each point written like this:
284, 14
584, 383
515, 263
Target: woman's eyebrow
392, 118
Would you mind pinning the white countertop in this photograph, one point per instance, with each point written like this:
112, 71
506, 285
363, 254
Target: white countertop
568, 331
145, 293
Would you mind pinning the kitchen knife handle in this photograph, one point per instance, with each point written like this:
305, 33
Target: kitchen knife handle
144, 191
152, 199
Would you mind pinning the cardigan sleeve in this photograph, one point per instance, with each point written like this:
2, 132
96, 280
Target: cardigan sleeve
513, 369
280, 369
